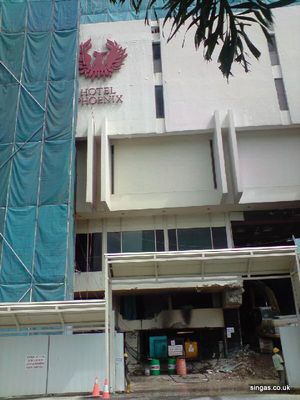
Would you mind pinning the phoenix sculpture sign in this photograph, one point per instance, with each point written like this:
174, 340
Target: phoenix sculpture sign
102, 64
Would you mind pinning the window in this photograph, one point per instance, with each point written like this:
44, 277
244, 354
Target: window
197, 238
112, 168
114, 242
282, 100
219, 237
160, 241
138, 241
95, 252
81, 252
194, 239
273, 51
154, 29
159, 101
156, 57
88, 252
213, 165
135, 241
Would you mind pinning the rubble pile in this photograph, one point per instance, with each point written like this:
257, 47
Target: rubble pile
244, 364
241, 366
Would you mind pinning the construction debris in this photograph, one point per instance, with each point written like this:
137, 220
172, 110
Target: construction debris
244, 364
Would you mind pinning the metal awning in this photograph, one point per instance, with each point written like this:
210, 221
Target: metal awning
53, 316
174, 269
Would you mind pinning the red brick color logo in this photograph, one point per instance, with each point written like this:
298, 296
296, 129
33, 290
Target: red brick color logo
102, 64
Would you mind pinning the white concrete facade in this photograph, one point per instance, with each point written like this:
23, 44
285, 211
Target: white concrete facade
221, 148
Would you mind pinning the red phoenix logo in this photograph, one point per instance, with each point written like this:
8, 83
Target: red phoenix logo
104, 64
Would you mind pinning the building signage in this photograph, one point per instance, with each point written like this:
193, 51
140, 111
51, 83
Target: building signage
35, 362
175, 350
102, 64
99, 95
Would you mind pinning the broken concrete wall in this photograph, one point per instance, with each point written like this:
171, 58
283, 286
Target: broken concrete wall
176, 319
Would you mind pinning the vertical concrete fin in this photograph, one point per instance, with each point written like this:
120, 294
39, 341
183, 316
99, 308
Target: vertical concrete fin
234, 157
219, 155
90, 162
105, 165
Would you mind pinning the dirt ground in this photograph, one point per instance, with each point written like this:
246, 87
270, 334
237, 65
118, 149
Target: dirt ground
217, 376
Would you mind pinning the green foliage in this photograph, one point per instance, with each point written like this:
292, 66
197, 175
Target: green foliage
218, 22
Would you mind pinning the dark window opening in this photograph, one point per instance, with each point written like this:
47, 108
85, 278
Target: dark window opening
266, 228
135, 241
281, 95
194, 239
142, 306
160, 242
172, 234
219, 237
88, 252
154, 29
81, 252
213, 165
114, 242
159, 101
263, 301
95, 252
156, 57
112, 168
134, 307
197, 238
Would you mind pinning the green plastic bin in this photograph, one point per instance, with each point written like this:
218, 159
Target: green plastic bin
154, 367
171, 366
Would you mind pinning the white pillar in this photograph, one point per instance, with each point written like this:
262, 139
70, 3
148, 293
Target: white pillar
105, 172
234, 157
90, 160
107, 320
219, 156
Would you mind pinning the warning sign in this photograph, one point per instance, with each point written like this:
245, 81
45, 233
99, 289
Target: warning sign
35, 362
176, 350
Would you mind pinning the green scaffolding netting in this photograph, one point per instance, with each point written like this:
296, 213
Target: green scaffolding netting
38, 71
93, 11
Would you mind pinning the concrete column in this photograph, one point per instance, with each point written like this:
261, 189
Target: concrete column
219, 156
105, 165
234, 157
90, 162
107, 320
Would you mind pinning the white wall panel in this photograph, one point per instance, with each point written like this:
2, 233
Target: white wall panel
174, 164
75, 361
269, 163
163, 172
290, 341
15, 378
135, 80
287, 32
194, 89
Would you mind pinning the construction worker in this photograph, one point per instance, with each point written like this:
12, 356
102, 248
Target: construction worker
127, 380
279, 365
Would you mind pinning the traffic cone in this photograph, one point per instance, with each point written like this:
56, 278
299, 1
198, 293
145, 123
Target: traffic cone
96, 390
105, 394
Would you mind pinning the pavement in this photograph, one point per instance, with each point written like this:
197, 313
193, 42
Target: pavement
175, 395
